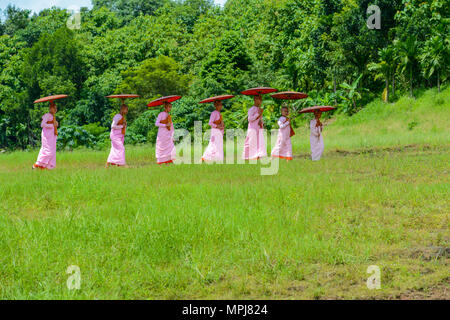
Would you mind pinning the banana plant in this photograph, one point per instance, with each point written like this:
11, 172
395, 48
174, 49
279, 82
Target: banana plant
351, 95
385, 67
435, 58
408, 52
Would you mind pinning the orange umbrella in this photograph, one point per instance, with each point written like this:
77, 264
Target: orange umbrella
122, 97
218, 98
320, 108
258, 91
51, 98
289, 95
162, 100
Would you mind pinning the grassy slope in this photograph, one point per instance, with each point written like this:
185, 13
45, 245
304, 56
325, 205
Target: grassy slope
226, 231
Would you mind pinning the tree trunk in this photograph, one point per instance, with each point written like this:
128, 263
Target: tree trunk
439, 84
393, 85
387, 89
411, 80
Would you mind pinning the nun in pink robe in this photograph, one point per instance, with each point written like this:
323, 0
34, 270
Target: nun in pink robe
316, 138
118, 127
283, 146
214, 151
165, 147
47, 155
255, 144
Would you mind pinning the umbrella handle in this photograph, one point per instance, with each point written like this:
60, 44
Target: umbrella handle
55, 129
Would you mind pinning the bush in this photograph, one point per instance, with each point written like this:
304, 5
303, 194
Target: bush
95, 129
134, 138
72, 137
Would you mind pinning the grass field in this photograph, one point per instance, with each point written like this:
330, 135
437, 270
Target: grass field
380, 196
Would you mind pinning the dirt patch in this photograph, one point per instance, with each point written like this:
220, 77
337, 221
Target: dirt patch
370, 151
423, 253
383, 150
438, 292
430, 253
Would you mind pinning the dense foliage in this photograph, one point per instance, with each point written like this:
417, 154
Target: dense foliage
197, 49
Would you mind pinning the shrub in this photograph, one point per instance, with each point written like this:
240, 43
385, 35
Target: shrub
72, 137
95, 129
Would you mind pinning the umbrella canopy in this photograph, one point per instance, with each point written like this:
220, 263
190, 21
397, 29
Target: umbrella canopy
161, 101
289, 95
320, 108
258, 91
51, 98
218, 98
123, 96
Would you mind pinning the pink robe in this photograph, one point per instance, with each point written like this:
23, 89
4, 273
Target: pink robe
47, 154
316, 140
165, 147
214, 151
255, 144
283, 146
117, 153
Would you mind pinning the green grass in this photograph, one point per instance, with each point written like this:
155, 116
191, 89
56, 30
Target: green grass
378, 197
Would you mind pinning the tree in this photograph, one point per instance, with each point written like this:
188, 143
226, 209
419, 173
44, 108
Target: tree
54, 64
385, 67
16, 19
203, 40
187, 12
408, 52
352, 95
226, 65
131, 8
46, 22
98, 22
435, 58
153, 78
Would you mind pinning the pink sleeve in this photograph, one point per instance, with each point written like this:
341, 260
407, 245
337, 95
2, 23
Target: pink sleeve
214, 117
282, 123
116, 119
314, 130
253, 114
46, 118
158, 123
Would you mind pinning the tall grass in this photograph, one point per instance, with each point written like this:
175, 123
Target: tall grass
225, 231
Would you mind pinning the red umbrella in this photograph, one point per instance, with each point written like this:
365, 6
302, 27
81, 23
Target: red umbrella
218, 98
320, 108
123, 96
161, 101
290, 95
258, 91
51, 98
